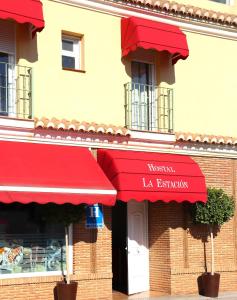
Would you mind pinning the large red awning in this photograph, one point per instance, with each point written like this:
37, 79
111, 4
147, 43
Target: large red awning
141, 33
43, 173
153, 176
23, 11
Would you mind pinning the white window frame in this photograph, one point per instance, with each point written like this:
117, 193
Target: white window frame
8, 46
12, 86
151, 94
50, 273
227, 2
76, 53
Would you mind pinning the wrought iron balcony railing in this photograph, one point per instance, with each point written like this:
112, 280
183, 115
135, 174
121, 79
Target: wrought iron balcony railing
148, 107
15, 91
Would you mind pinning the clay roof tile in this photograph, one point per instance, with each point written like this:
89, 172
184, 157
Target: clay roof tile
185, 9
74, 125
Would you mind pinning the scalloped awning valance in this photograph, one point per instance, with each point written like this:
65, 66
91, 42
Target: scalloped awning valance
23, 11
142, 33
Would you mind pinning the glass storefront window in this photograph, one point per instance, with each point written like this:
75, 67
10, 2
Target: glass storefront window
27, 243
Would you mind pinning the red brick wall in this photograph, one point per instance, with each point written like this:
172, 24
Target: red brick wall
91, 265
185, 242
159, 244
176, 250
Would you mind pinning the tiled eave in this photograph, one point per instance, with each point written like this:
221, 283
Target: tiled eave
112, 130
206, 139
93, 135
82, 127
182, 11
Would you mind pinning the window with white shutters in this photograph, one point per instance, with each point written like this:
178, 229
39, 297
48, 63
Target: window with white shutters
7, 37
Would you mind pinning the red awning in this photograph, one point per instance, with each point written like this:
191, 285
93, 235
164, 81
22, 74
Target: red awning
23, 11
45, 173
146, 34
153, 176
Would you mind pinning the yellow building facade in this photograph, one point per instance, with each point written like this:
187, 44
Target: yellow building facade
204, 85
92, 90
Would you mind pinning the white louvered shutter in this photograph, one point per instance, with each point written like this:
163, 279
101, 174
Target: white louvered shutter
7, 37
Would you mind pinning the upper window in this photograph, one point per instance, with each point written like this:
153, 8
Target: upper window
71, 52
229, 2
4, 76
15, 80
148, 107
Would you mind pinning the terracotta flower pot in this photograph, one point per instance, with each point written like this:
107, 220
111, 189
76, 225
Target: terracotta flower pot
210, 284
67, 291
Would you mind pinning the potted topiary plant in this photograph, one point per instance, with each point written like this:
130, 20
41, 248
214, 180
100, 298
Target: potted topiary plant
218, 210
65, 214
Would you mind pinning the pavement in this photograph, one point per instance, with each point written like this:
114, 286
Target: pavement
226, 296
150, 296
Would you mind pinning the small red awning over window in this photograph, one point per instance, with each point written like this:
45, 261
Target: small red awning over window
23, 11
141, 33
45, 173
153, 176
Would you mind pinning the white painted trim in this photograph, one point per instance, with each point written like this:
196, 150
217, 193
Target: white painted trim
33, 274
153, 136
8, 122
56, 190
191, 149
15, 132
185, 24
70, 238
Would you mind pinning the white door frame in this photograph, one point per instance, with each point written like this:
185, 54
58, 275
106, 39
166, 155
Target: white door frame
141, 284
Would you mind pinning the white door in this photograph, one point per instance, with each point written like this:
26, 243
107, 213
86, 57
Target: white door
137, 247
143, 101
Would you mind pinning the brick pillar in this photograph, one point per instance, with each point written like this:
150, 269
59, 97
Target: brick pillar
159, 244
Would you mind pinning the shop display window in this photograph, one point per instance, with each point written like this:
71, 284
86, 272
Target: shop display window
29, 244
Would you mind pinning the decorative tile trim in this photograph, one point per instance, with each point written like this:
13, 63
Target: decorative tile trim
206, 139
76, 126
183, 10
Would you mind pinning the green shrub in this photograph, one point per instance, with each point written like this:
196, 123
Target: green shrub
218, 209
